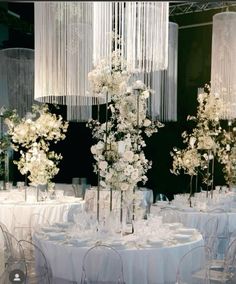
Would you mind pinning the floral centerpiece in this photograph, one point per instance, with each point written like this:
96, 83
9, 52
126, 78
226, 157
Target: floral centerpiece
203, 142
226, 153
31, 136
119, 155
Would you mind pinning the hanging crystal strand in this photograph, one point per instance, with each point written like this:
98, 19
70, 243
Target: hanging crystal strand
223, 65
63, 56
98, 187
2, 161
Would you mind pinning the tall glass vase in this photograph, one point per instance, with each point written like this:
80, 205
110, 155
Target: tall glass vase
190, 191
210, 174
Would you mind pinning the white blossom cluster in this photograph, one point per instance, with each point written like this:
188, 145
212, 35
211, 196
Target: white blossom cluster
187, 160
105, 78
203, 143
120, 160
32, 136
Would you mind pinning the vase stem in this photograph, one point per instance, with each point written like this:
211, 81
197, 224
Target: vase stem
98, 197
212, 175
37, 188
25, 193
121, 207
191, 190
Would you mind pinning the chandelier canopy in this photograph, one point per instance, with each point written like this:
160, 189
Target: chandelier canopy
223, 65
138, 29
163, 103
63, 56
72, 36
17, 79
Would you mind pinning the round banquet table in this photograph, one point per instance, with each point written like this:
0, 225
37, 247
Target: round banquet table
193, 218
152, 265
16, 215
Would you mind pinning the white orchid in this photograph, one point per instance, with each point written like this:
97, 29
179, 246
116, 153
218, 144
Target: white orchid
34, 133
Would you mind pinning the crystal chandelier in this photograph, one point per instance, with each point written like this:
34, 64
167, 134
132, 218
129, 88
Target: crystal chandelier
17, 79
141, 33
223, 65
63, 56
163, 103
71, 36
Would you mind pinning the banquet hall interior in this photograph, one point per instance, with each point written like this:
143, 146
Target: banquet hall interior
194, 68
117, 142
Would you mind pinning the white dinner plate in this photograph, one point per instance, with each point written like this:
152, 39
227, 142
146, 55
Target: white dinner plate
156, 243
56, 236
187, 231
174, 226
182, 238
50, 229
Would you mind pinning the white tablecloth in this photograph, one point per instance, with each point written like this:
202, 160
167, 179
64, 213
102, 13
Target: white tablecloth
153, 265
198, 220
18, 214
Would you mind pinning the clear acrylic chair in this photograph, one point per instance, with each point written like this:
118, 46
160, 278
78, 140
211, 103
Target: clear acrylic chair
224, 271
193, 266
209, 233
25, 232
161, 197
223, 235
37, 221
12, 255
102, 264
3, 227
38, 269
89, 204
21, 230
170, 215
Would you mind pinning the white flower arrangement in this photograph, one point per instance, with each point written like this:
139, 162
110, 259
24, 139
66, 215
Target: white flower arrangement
187, 160
226, 154
121, 162
202, 143
31, 136
108, 79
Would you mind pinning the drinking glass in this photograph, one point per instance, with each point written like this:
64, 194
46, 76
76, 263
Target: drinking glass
79, 186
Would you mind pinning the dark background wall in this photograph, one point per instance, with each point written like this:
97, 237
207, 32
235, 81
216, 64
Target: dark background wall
194, 62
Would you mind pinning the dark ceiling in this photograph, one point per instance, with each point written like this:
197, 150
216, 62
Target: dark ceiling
21, 29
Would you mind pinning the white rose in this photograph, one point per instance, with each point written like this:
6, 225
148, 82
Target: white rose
134, 175
124, 186
93, 149
138, 85
128, 170
147, 122
146, 94
128, 156
109, 176
102, 165
100, 145
121, 147
192, 141
102, 183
